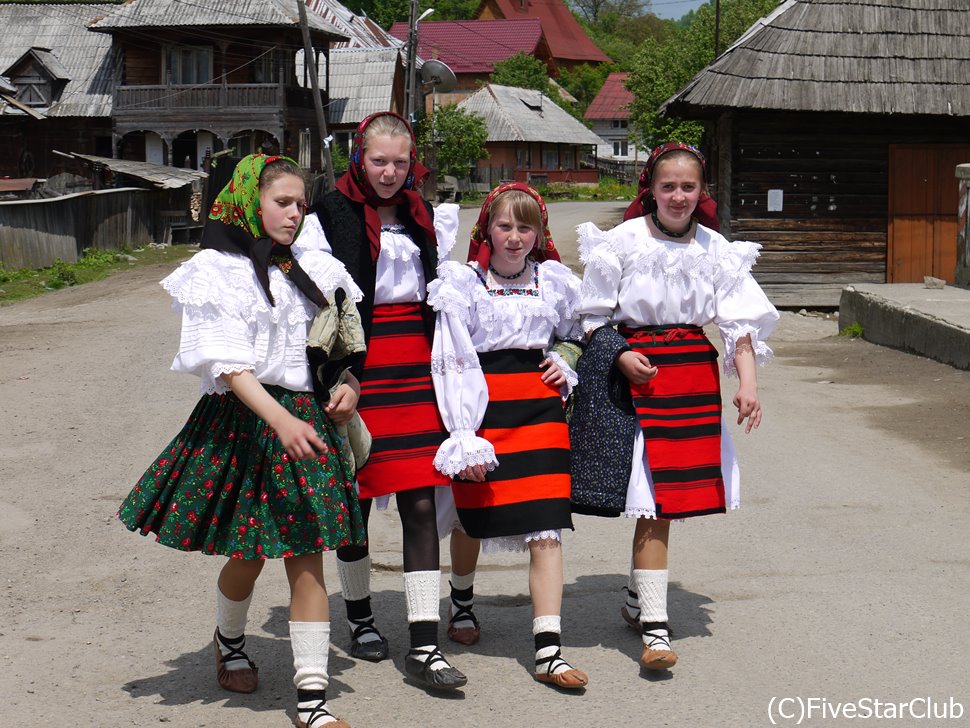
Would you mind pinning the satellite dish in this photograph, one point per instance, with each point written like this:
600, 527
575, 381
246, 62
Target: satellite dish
437, 74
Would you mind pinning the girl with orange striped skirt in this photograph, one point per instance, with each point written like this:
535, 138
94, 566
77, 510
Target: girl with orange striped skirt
660, 276
500, 392
378, 225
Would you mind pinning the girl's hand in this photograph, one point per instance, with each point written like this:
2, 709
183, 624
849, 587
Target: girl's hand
553, 376
635, 367
298, 437
475, 473
746, 400
342, 404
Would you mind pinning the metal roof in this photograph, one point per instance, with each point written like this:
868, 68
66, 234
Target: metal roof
168, 178
612, 101
219, 13
84, 57
361, 31
361, 83
566, 38
524, 115
474, 46
865, 56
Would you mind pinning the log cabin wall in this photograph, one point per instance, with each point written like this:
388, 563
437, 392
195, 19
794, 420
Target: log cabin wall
832, 171
142, 64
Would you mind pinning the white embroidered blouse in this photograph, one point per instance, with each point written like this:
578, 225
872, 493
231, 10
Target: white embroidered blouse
473, 319
633, 278
400, 277
228, 324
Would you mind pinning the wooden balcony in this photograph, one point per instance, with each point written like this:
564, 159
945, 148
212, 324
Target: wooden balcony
208, 98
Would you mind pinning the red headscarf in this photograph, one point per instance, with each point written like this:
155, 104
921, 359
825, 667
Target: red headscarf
479, 249
706, 211
355, 185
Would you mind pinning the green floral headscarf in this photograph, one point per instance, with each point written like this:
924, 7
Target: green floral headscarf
235, 225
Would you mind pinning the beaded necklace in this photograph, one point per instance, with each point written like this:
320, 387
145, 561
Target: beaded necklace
667, 231
511, 277
532, 290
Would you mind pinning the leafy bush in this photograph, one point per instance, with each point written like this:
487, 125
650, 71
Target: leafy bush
61, 274
853, 330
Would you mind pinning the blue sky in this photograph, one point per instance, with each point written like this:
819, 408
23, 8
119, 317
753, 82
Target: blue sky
674, 8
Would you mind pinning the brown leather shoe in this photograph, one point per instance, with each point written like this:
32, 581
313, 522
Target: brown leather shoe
571, 679
652, 659
243, 680
463, 635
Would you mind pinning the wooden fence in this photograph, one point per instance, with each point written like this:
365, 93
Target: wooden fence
35, 233
962, 275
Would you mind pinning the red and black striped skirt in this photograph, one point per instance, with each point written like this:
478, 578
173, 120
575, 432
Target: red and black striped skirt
680, 414
398, 405
526, 423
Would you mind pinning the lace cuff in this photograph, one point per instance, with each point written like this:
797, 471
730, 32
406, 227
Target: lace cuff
572, 379
464, 448
455, 363
762, 352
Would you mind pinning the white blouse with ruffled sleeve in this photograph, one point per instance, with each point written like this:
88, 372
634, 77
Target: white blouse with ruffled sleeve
228, 324
400, 276
472, 320
634, 278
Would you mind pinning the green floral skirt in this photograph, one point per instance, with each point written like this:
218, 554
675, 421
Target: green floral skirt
225, 485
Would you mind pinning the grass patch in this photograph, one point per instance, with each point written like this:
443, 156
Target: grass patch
853, 330
18, 285
606, 189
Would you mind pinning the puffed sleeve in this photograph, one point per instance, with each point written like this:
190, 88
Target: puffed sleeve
311, 236
459, 383
741, 307
562, 290
218, 297
329, 274
600, 289
446, 229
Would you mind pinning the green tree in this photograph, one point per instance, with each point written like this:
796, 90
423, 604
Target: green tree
457, 136
522, 71
584, 82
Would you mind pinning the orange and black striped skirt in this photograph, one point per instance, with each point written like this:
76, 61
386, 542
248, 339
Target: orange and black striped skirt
680, 414
526, 423
397, 403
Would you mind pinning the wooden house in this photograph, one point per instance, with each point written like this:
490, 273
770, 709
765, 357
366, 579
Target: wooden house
609, 116
57, 92
833, 129
198, 77
568, 43
530, 138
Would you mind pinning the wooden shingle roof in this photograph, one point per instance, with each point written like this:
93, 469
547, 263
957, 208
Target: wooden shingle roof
361, 31
140, 14
863, 56
84, 58
524, 115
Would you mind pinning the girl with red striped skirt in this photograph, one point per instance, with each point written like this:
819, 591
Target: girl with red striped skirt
380, 228
662, 275
499, 389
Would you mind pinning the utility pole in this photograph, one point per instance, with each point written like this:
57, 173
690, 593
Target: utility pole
311, 63
412, 62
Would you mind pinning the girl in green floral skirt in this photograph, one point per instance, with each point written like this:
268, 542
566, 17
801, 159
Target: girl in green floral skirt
256, 473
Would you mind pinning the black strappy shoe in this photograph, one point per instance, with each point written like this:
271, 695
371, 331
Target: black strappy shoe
445, 678
317, 711
243, 680
370, 650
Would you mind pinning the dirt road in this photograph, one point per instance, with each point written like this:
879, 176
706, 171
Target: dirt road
844, 576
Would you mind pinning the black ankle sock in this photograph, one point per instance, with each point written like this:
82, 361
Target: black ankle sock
547, 639
423, 633
358, 609
305, 696
463, 595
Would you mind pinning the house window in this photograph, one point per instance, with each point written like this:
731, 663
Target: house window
550, 158
621, 148
618, 123
264, 69
190, 65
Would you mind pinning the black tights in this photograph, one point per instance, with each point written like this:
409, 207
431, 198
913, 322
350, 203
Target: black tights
417, 511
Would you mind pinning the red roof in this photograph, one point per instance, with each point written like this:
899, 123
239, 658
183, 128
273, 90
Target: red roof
474, 46
612, 101
566, 38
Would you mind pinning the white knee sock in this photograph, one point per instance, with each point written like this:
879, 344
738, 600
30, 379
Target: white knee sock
422, 595
231, 623
652, 590
310, 642
354, 578
632, 601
